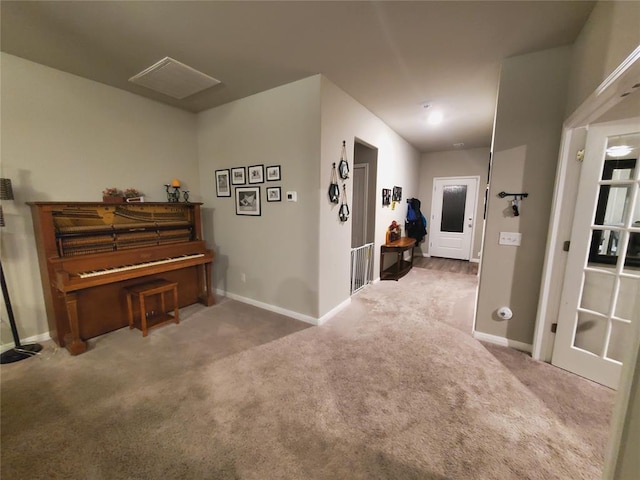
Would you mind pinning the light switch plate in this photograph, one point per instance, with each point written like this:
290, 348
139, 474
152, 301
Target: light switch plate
292, 196
510, 238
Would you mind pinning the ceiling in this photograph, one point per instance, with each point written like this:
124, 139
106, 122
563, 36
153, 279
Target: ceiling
392, 57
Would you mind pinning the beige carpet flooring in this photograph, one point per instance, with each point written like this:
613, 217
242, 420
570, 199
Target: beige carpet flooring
393, 387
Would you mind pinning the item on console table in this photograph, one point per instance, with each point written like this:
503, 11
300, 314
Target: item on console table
394, 232
112, 195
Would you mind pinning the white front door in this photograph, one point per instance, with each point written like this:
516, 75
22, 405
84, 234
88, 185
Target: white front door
452, 213
601, 292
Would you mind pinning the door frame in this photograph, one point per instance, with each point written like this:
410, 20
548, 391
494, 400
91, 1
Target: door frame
605, 97
474, 207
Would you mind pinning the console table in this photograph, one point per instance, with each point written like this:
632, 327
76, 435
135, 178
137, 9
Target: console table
401, 266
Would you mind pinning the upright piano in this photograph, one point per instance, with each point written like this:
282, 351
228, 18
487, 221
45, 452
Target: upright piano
90, 252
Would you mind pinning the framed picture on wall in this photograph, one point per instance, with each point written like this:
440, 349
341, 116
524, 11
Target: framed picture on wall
397, 194
238, 176
223, 187
274, 194
273, 173
386, 197
256, 174
248, 201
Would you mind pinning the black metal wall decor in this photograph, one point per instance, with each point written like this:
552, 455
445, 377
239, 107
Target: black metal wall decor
515, 203
343, 167
334, 189
343, 214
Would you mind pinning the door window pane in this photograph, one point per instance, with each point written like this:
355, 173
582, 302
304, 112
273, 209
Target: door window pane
596, 292
628, 306
613, 204
454, 198
590, 333
620, 340
605, 247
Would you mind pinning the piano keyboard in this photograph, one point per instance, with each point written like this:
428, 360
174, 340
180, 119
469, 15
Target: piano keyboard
123, 268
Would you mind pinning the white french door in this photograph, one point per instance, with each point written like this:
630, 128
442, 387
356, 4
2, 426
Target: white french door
601, 293
453, 208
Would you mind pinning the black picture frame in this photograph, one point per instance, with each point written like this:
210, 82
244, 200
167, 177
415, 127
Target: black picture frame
238, 176
273, 173
397, 194
255, 174
274, 194
223, 185
248, 201
386, 197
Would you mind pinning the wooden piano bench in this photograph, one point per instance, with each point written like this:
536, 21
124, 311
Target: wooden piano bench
152, 319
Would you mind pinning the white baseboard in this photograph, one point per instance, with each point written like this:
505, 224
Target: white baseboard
334, 311
475, 260
43, 337
283, 311
502, 341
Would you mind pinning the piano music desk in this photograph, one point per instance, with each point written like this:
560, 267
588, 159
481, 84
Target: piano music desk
155, 287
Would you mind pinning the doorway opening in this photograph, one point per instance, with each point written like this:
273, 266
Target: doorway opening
363, 214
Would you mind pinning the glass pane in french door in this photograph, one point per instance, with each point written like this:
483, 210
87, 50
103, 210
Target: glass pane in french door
628, 304
598, 287
590, 333
619, 340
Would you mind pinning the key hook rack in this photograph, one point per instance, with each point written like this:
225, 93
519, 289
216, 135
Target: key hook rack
515, 195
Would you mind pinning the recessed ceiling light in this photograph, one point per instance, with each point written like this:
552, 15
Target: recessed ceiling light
619, 151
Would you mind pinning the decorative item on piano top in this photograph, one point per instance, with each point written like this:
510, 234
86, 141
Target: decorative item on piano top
173, 197
132, 195
112, 195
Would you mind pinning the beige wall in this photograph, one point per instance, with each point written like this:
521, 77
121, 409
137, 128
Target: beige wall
528, 126
398, 163
609, 36
454, 163
67, 138
278, 251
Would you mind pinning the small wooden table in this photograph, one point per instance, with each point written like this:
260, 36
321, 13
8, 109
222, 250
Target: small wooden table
155, 319
401, 266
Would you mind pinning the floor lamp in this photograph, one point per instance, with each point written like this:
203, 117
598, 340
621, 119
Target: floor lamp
20, 351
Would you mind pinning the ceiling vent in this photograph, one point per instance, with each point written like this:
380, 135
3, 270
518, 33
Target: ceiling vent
173, 78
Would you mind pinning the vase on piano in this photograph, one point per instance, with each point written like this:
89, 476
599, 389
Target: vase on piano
113, 199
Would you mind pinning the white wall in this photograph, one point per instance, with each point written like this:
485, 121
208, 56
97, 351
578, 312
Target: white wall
277, 251
527, 131
455, 163
66, 138
398, 164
